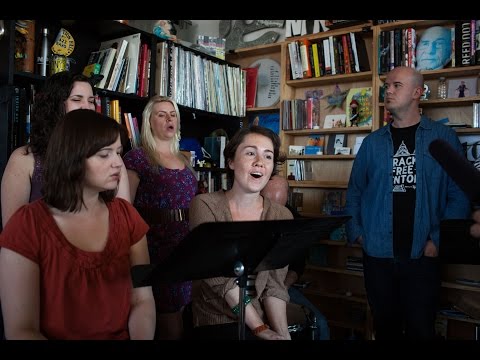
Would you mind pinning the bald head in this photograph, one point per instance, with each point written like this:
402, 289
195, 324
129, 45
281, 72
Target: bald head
408, 74
276, 190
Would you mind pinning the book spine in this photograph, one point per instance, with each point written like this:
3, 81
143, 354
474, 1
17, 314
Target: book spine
316, 64
29, 61
346, 55
305, 58
452, 46
477, 42
326, 57
472, 42
332, 55
462, 43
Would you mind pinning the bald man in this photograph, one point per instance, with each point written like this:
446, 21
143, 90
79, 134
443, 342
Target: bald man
277, 190
397, 195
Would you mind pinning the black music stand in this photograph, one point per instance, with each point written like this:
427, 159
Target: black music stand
237, 249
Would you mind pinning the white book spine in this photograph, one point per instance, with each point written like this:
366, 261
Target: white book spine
118, 64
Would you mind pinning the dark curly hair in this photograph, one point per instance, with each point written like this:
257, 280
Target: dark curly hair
49, 108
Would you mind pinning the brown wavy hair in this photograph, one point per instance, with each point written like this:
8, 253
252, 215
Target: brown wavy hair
78, 136
232, 146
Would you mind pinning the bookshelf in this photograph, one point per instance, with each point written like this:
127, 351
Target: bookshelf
458, 111
88, 36
339, 293
197, 121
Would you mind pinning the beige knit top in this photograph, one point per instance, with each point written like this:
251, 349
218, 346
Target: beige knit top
208, 303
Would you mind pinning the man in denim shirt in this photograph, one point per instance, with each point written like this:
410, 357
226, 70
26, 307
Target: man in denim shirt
397, 195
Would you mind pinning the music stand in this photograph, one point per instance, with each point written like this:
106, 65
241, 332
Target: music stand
237, 249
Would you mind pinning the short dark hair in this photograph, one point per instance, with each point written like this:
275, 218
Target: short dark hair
49, 108
76, 137
232, 146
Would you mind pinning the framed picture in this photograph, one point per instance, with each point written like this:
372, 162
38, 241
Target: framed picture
336, 141
268, 120
462, 87
334, 121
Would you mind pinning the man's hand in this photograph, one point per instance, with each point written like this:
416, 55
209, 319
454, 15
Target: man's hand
290, 279
430, 249
475, 228
359, 240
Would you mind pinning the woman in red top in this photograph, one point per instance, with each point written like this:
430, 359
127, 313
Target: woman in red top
65, 259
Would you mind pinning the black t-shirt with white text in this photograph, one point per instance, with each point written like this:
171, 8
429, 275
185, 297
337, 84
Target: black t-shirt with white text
404, 189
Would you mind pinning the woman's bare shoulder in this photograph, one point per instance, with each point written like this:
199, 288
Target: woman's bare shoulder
20, 160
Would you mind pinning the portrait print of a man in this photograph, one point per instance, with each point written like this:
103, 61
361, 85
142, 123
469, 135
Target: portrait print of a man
434, 48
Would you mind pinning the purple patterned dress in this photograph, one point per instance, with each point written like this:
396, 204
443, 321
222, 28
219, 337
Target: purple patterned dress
167, 189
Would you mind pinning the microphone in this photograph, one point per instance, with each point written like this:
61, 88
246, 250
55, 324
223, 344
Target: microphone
465, 175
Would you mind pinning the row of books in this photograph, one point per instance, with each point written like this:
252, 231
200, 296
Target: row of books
343, 54
113, 109
295, 115
476, 115
300, 114
212, 45
397, 47
124, 64
195, 81
300, 170
19, 128
209, 182
354, 263
334, 202
295, 199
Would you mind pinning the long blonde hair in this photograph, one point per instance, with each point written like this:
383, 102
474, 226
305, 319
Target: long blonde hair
148, 140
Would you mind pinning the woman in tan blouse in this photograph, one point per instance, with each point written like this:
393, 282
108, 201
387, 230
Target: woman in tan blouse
252, 156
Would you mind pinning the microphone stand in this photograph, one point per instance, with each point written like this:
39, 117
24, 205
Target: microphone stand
239, 270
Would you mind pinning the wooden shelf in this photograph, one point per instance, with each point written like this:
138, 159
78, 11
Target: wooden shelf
446, 102
411, 23
254, 51
317, 184
452, 285
264, 109
454, 318
321, 157
337, 130
468, 130
473, 70
363, 28
330, 79
357, 299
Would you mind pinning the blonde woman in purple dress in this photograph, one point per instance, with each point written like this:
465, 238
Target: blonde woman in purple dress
162, 184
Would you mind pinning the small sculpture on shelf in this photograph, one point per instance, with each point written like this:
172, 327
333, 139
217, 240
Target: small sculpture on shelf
164, 29
336, 98
354, 113
234, 32
426, 92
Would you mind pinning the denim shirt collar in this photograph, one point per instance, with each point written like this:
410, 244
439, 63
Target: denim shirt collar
425, 123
